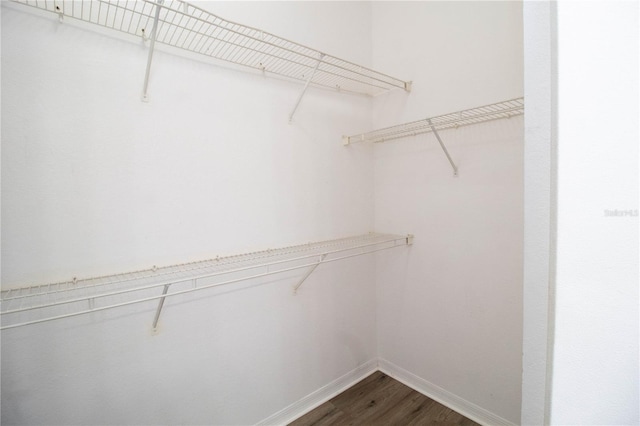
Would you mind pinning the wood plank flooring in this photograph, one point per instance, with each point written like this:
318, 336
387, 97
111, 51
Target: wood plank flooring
379, 400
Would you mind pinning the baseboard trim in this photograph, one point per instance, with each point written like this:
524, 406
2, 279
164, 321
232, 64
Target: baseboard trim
444, 397
322, 395
325, 393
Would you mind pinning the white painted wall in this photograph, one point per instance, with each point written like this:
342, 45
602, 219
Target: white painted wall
161, 179
95, 181
539, 208
596, 356
451, 313
592, 318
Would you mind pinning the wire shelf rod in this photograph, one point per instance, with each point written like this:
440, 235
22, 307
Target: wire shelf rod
406, 239
183, 278
207, 264
281, 57
262, 41
147, 299
191, 276
496, 111
188, 27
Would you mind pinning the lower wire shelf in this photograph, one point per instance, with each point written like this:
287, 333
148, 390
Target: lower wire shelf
48, 302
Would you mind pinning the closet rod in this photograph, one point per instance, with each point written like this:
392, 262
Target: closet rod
358, 246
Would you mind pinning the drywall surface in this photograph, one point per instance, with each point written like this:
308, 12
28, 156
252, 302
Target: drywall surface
595, 360
539, 208
451, 313
94, 181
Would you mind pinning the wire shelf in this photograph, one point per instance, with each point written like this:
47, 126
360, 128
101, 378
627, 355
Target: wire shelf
184, 26
36, 304
505, 109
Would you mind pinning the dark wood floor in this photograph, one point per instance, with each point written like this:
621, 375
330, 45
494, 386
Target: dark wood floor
380, 400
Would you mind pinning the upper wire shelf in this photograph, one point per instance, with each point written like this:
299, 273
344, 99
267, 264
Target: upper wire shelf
188, 27
504, 109
36, 304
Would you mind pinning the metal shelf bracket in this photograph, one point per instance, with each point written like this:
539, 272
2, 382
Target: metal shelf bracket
309, 272
60, 14
435, 132
154, 33
306, 86
159, 309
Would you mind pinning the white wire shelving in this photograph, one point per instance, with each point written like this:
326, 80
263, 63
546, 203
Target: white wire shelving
496, 111
505, 109
48, 302
184, 26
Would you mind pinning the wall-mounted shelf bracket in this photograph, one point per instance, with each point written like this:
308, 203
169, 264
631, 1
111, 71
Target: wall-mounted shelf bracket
159, 309
444, 148
306, 86
60, 14
309, 272
152, 44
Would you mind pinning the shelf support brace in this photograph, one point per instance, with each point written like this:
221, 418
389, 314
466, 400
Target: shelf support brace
435, 132
159, 309
306, 85
309, 272
154, 32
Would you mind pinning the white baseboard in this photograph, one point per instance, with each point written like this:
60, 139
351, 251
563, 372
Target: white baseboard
322, 395
325, 393
444, 397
